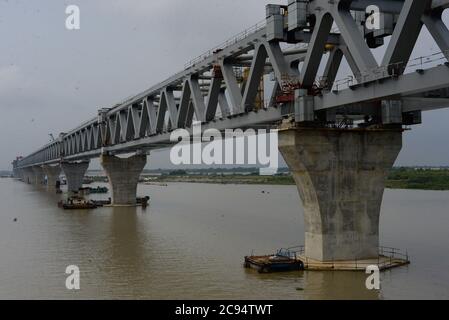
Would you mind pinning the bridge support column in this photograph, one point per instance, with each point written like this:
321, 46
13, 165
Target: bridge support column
74, 173
39, 176
340, 175
28, 175
20, 175
123, 175
52, 173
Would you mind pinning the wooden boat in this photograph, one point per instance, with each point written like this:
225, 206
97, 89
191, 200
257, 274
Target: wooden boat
77, 204
283, 261
144, 202
98, 190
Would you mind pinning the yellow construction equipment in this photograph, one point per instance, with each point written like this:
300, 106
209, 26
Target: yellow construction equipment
259, 102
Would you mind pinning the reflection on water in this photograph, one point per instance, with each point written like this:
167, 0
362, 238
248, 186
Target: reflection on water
337, 285
191, 241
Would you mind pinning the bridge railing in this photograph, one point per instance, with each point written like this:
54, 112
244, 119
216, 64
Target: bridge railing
388, 257
233, 40
389, 71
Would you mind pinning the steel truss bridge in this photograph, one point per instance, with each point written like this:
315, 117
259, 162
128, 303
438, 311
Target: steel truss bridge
289, 47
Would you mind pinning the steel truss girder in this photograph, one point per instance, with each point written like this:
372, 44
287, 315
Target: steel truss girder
389, 88
260, 119
146, 119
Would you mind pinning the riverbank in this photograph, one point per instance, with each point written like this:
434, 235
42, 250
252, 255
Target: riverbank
229, 179
418, 179
399, 178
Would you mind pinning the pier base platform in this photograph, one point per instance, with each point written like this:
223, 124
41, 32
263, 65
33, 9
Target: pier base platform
383, 262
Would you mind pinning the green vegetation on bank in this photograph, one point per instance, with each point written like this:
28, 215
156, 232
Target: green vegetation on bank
229, 179
422, 179
399, 178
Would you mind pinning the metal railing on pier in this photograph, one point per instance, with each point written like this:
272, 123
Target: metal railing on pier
388, 257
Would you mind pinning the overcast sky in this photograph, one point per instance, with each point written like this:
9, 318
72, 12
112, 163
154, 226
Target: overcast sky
52, 79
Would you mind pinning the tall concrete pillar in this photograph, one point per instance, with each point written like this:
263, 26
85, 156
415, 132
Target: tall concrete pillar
39, 176
15, 171
19, 174
340, 175
123, 175
52, 173
74, 173
28, 175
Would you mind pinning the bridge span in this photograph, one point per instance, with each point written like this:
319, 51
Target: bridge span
338, 136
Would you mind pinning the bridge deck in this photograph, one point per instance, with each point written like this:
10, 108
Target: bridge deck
220, 88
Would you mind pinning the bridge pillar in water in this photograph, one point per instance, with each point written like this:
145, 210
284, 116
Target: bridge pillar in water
123, 175
28, 175
39, 176
340, 175
52, 173
20, 174
74, 173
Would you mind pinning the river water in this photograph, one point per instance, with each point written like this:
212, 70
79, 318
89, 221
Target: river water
190, 244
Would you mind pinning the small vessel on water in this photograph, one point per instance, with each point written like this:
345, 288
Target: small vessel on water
77, 203
97, 190
144, 201
282, 261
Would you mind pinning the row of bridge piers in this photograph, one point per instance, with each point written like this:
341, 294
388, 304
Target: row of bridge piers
123, 175
340, 175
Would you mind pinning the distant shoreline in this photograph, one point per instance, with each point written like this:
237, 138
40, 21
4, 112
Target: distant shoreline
408, 179
398, 178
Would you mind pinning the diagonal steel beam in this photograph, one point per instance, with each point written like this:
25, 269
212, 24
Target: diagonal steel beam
232, 86
213, 97
136, 118
130, 123
332, 67
171, 106
351, 62
316, 49
148, 104
223, 102
161, 111
184, 105
405, 35
255, 75
197, 98
438, 30
280, 66
362, 55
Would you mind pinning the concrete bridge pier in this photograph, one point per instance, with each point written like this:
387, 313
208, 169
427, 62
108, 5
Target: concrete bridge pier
74, 172
20, 174
123, 175
39, 176
28, 175
52, 173
340, 175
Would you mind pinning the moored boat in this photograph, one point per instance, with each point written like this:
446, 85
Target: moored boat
76, 203
282, 261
